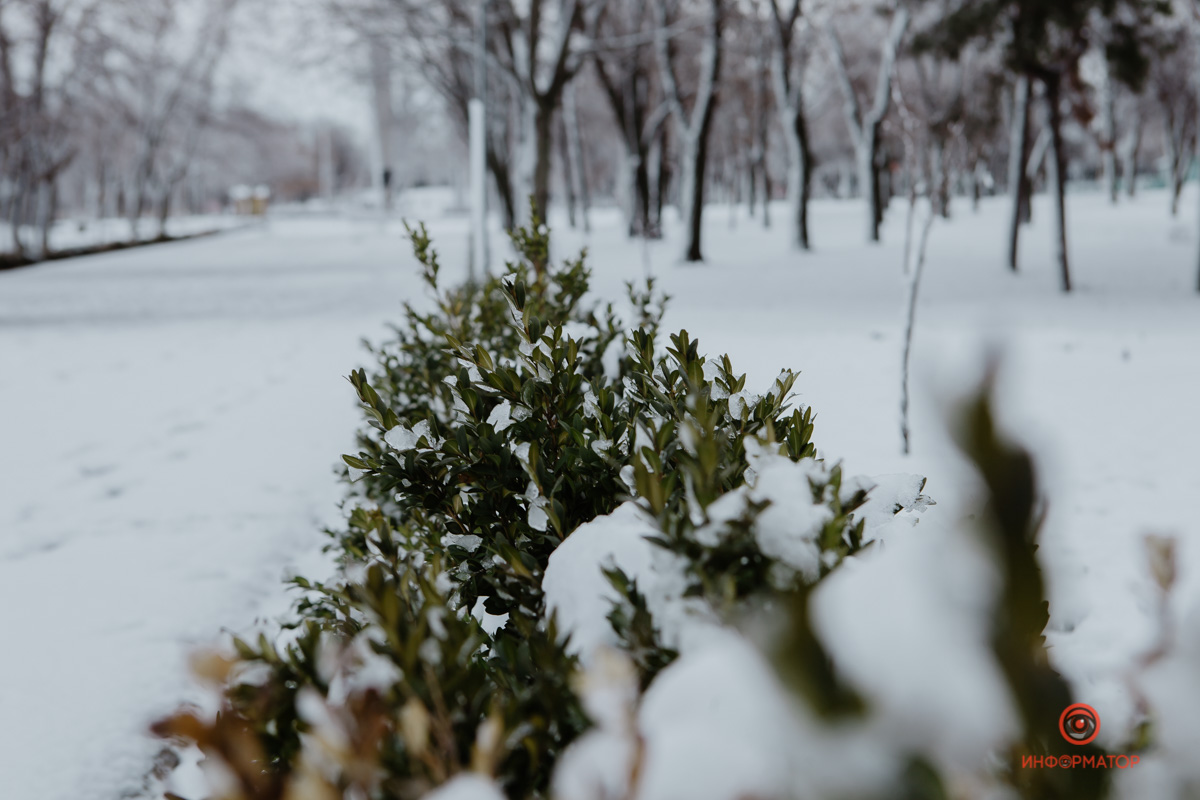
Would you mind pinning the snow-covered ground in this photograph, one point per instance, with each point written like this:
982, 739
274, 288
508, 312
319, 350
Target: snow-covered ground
171, 416
1101, 384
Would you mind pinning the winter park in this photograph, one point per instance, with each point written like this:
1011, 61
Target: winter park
599, 399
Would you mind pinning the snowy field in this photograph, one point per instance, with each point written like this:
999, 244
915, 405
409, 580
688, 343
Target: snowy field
172, 415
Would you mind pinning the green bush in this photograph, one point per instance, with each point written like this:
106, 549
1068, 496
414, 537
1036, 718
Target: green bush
499, 421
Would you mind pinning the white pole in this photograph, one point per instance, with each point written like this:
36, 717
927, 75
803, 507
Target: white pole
478, 168
477, 142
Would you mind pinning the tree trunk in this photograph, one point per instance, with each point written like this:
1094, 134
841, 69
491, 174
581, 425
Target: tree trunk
662, 180
645, 226
543, 119
976, 187
102, 192
1178, 177
940, 190
139, 208
504, 188
568, 176
868, 182
1195, 32
1018, 156
799, 177
15, 203
914, 287
47, 208
1179, 159
752, 184
164, 213
695, 156
789, 100
1129, 158
883, 182
767, 189
634, 170
1058, 164
694, 126
1108, 134
570, 113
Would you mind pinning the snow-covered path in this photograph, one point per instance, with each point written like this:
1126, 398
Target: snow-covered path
169, 422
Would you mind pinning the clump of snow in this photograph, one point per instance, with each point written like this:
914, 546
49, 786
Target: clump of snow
1170, 686
611, 358
578, 593
467, 786
888, 498
787, 530
356, 667
908, 625
600, 764
718, 725
501, 416
580, 596
403, 438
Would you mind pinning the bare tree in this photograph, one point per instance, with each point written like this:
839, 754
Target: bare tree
36, 141
623, 57
1131, 145
759, 174
789, 56
1194, 19
1020, 147
936, 102
1107, 130
170, 97
436, 40
1172, 88
692, 124
574, 168
865, 127
541, 67
915, 134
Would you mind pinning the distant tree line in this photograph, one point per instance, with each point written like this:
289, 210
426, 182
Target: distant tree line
660, 102
116, 108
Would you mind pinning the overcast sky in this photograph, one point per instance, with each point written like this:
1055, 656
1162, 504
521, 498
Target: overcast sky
288, 64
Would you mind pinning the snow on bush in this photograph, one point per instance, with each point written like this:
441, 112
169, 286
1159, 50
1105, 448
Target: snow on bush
586, 562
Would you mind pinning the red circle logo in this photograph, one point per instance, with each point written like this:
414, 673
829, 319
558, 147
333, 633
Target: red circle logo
1079, 723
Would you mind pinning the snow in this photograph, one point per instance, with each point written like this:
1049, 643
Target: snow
787, 530
173, 415
927, 597
402, 438
578, 593
1100, 384
467, 786
717, 726
172, 419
